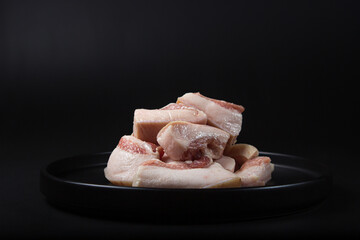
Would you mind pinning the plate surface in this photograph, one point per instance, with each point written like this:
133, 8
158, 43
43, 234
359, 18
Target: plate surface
78, 184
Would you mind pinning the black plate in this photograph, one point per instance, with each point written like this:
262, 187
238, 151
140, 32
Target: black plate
78, 184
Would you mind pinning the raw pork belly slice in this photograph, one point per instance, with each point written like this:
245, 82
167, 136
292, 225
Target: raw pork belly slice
221, 114
147, 123
188, 141
157, 174
126, 157
255, 172
227, 162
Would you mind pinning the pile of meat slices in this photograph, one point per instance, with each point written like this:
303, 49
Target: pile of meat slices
188, 144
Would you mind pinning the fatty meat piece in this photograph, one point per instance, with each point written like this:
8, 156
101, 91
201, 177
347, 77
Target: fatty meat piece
126, 157
157, 174
221, 114
147, 123
255, 172
188, 141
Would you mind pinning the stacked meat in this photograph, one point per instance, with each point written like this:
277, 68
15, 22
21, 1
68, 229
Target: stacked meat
188, 144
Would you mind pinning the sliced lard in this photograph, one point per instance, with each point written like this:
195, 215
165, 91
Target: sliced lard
127, 157
147, 123
157, 174
221, 114
188, 141
255, 172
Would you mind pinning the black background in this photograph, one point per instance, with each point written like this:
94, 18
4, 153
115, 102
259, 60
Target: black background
72, 73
